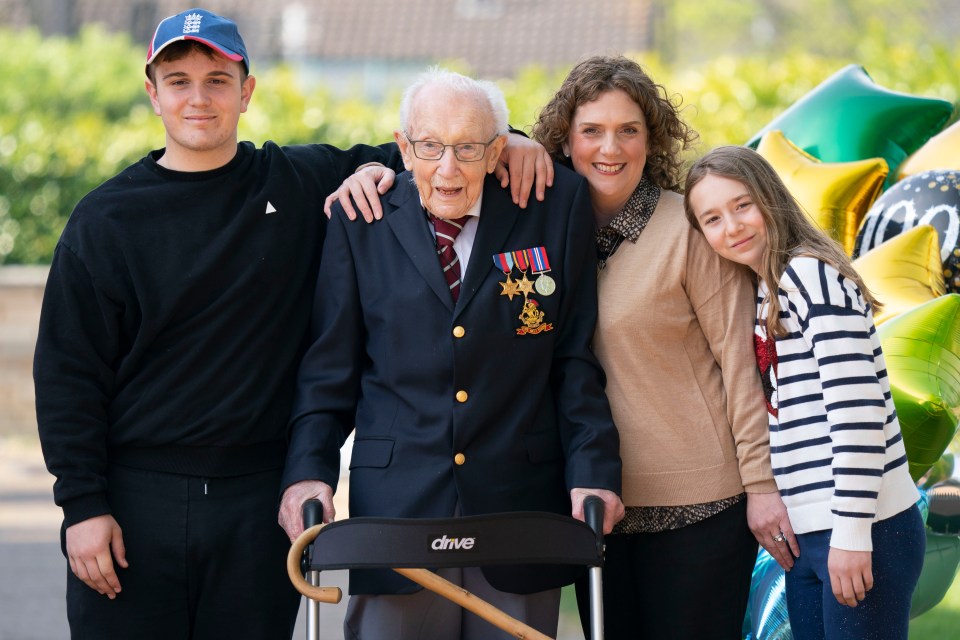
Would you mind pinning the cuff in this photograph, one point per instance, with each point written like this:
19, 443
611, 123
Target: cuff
762, 486
852, 534
84, 508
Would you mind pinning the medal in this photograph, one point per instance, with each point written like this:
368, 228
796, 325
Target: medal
525, 286
545, 285
522, 260
540, 264
504, 262
531, 317
510, 288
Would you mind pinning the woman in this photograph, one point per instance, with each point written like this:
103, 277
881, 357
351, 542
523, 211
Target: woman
835, 437
674, 337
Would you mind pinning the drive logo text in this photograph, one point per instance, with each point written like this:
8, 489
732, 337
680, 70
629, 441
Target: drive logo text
444, 543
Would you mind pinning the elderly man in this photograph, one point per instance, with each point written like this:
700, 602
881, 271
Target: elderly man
453, 336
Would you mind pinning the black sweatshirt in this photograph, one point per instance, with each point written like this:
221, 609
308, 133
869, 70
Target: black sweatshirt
175, 315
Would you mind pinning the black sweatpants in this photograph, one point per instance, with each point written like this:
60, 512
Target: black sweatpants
688, 583
207, 561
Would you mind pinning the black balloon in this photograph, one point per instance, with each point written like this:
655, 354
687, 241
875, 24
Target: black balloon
944, 516
931, 197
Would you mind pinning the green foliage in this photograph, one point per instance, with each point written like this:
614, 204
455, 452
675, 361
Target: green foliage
63, 130
73, 111
828, 28
942, 621
732, 98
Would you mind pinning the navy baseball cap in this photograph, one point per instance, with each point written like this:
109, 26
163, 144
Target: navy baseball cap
217, 32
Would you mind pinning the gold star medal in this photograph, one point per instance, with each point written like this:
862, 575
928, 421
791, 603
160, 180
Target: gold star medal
522, 260
504, 262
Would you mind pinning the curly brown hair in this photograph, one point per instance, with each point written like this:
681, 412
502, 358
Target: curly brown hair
668, 134
181, 49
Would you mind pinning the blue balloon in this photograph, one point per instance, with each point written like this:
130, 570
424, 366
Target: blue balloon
923, 503
766, 617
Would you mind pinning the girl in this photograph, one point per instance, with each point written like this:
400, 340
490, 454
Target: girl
835, 442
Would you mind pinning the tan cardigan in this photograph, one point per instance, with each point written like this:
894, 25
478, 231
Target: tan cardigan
675, 337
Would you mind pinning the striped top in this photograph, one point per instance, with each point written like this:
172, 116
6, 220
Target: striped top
835, 443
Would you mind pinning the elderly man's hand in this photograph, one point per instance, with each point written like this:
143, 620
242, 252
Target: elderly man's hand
523, 163
365, 187
291, 505
612, 506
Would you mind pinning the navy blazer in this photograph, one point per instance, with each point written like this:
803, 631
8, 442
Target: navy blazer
450, 405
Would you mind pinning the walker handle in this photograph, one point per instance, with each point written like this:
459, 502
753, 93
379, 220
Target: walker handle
593, 514
312, 513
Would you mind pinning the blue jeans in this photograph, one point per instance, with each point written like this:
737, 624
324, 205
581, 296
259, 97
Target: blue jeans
898, 547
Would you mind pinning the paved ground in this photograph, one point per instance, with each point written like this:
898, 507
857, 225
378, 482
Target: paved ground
32, 567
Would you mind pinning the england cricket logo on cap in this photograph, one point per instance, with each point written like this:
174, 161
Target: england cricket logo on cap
191, 23
218, 33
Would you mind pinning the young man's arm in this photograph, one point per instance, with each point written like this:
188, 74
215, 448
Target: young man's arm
76, 345
524, 164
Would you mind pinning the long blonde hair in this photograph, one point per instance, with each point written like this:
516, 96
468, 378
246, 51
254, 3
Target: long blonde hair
790, 232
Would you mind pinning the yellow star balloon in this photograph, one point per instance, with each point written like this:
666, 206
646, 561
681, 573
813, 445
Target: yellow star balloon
941, 152
903, 272
922, 351
836, 195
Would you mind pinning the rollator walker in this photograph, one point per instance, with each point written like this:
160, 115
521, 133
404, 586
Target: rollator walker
408, 545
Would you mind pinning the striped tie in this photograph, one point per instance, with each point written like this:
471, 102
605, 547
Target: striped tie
447, 231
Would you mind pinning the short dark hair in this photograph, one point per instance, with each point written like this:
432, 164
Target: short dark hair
180, 50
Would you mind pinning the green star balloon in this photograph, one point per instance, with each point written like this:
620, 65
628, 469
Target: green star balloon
940, 564
922, 351
849, 117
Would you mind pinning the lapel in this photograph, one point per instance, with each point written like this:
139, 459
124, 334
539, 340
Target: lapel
408, 223
498, 214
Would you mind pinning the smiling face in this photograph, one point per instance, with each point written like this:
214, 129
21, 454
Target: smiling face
608, 146
730, 219
199, 99
449, 187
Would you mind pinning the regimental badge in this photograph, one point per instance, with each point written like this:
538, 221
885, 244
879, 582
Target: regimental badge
531, 316
532, 319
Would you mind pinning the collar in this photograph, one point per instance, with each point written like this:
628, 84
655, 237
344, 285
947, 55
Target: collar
632, 220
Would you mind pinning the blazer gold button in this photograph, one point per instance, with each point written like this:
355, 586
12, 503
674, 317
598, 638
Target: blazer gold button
459, 458
459, 332
461, 396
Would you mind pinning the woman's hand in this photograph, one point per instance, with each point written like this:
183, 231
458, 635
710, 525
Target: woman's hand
768, 520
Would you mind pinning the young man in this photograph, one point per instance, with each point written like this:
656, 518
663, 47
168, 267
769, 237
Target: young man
173, 323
